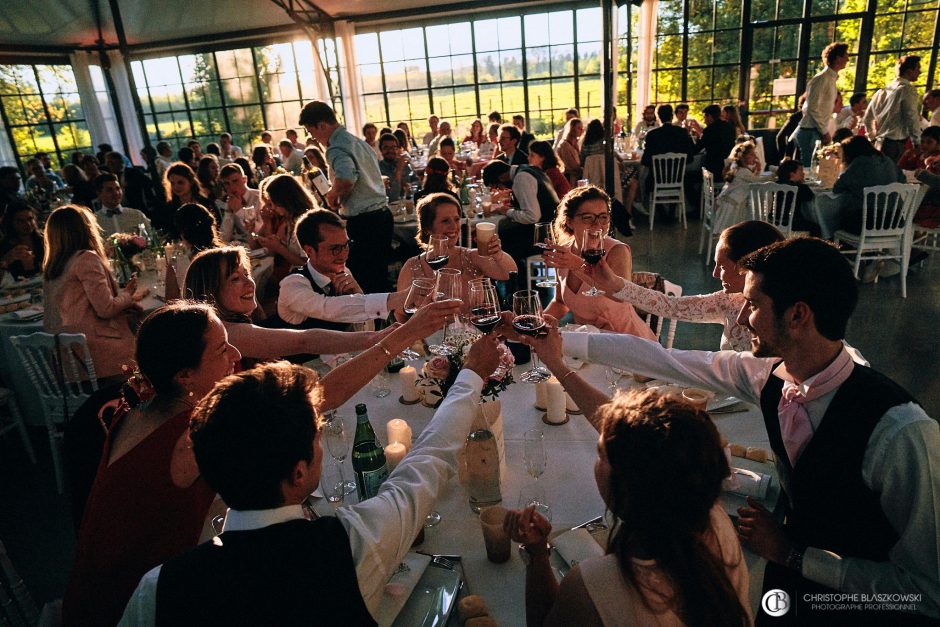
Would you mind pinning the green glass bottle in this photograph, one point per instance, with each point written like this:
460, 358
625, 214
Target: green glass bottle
368, 458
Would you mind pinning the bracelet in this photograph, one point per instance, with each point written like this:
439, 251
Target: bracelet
384, 350
566, 375
544, 548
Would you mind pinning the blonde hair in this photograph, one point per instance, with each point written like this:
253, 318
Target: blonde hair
69, 229
737, 154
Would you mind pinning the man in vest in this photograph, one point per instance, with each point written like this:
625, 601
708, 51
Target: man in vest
858, 458
533, 200
322, 293
257, 442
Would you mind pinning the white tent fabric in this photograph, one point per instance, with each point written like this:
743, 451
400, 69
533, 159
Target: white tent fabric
97, 111
122, 89
345, 33
7, 156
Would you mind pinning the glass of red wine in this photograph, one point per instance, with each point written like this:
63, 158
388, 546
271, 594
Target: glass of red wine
592, 250
527, 309
438, 252
448, 287
545, 239
484, 307
420, 294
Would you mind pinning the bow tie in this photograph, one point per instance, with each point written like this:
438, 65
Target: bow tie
114, 212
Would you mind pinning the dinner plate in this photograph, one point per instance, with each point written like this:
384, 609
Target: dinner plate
716, 402
432, 600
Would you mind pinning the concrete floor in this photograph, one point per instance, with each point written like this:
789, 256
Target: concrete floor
898, 336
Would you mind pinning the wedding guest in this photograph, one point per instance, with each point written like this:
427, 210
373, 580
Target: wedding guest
593, 141
731, 115
683, 120
263, 162
21, 248
790, 172
402, 138
444, 131
164, 158
786, 147
83, 190
447, 150
743, 171
149, 503
850, 116
229, 150
717, 140
476, 134
410, 142
439, 214
284, 201
433, 123
490, 147
80, 294
257, 440
369, 134
180, 187
112, 217
436, 180
569, 149
582, 209
525, 137
916, 157
669, 561
817, 107
197, 232
826, 416
208, 175
395, 165
647, 123
89, 165
240, 206
543, 157
865, 166
292, 159
315, 157
509, 139
893, 116
570, 114
187, 156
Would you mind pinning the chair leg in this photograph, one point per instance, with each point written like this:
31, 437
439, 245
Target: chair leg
701, 239
55, 444
708, 251
21, 426
905, 264
652, 209
685, 224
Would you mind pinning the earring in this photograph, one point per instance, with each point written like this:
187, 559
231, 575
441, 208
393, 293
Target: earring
190, 394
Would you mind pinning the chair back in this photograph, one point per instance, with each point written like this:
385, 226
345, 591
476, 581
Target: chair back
774, 203
887, 210
60, 368
17, 606
653, 281
669, 169
708, 195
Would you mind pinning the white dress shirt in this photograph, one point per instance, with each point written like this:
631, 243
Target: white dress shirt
934, 118
297, 301
243, 222
901, 462
820, 98
846, 118
127, 221
380, 529
894, 112
525, 188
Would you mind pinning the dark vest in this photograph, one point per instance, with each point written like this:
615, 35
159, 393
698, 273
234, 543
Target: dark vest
293, 573
548, 199
313, 323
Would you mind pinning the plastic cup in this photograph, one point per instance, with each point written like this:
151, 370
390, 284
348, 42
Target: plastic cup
696, 398
485, 231
494, 536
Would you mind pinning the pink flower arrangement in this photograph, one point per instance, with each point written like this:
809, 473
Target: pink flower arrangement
439, 372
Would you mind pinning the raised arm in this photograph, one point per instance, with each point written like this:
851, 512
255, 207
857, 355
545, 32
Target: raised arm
90, 270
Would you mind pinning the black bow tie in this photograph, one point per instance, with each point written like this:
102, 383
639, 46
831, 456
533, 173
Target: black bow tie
114, 212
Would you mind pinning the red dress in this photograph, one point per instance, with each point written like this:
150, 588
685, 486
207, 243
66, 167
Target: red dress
135, 519
559, 181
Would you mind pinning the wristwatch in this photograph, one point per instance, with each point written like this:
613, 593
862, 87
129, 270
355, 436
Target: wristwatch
795, 558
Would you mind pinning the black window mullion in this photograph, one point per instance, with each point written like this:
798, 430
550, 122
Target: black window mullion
684, 82
525, 69
254, 67
427, 66
576, 67
382, 72
9, 131
189, 113
476, 71
45, 108
221, 88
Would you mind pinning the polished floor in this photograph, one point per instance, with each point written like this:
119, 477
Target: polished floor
899, 337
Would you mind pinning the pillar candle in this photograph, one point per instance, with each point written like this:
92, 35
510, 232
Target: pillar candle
541, 395
394, 453
399, 431
570, 404
408, 377
555, 401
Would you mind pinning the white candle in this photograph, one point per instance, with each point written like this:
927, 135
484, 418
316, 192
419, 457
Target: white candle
570, 404
541, 395
394, 453
555, 401
399, 431
408, 377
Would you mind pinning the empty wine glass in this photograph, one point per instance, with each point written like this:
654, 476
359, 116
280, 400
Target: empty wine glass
438, 252
528, 320
337, 443
419, 294
545, 239
592, 250
613, 376
535, 462
448, 288
484, 306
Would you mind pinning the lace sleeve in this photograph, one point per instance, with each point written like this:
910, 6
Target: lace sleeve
715, 307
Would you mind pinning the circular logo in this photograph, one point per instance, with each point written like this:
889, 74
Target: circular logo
775, 602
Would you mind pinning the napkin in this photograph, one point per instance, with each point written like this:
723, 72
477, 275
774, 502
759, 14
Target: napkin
35, 311
577, 545
400, 587
747, 483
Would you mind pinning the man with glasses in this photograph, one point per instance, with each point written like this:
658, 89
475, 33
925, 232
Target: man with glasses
322, 294
509, 138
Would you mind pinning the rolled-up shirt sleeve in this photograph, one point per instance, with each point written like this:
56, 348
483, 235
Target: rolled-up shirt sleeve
297, 301
526, 190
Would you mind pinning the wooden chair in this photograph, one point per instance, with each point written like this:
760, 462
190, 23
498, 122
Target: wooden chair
654, 281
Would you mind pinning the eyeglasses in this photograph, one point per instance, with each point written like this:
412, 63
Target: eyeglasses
338, 249
594, 218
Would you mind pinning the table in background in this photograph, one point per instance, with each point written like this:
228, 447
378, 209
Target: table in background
568, 483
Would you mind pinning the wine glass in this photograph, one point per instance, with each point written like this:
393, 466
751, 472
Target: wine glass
337, 443
420, 294
613, 376
438, 252
592, 249
545, 239
528, 320
535, 462
448, 288
484, 307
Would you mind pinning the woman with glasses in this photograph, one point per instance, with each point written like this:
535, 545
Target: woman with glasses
586, 209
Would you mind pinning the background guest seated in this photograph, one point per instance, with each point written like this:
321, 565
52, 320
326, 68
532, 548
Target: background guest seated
21, 249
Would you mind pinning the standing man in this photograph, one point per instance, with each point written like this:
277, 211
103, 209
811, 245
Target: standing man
509, 138
111, 216
817, 108
358, 194
893, 115
525, 137
395, 166
228, 150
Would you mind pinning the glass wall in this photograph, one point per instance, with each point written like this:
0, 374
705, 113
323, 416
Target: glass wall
42, 111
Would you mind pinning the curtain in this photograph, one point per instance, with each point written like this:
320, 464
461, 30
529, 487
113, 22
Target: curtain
96, 102
352, 100
122, 89
644, 59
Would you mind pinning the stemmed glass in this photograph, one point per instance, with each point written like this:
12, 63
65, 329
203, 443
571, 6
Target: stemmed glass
484, 306
448, 288
613, 375
592, 250
438, 253
545, 239
535, 462
528, 320
420, 294
337, 443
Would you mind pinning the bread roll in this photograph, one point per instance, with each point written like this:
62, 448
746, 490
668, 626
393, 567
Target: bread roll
471, 606
757, 454
738, 450
481, 621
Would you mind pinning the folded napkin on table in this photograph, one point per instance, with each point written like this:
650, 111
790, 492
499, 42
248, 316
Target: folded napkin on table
577, 545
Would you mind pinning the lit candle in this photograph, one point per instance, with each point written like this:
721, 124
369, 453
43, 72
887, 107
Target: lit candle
555, 401
160, 264
399, 431
570, 405
394, 453
408, 377
541, 395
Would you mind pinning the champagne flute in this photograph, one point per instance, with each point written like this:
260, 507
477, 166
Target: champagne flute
448, 288
592, 249
484, 307
535, 462
545, 239
528, 320
337, 443
420, 294
438, 253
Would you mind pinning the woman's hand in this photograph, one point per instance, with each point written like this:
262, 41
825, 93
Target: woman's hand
271, 242
563, 257
527, 526
494, 247
430, 318
604, 277
483, 358
131, 286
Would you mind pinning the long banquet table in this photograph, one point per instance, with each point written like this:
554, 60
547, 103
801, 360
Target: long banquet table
568, 483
